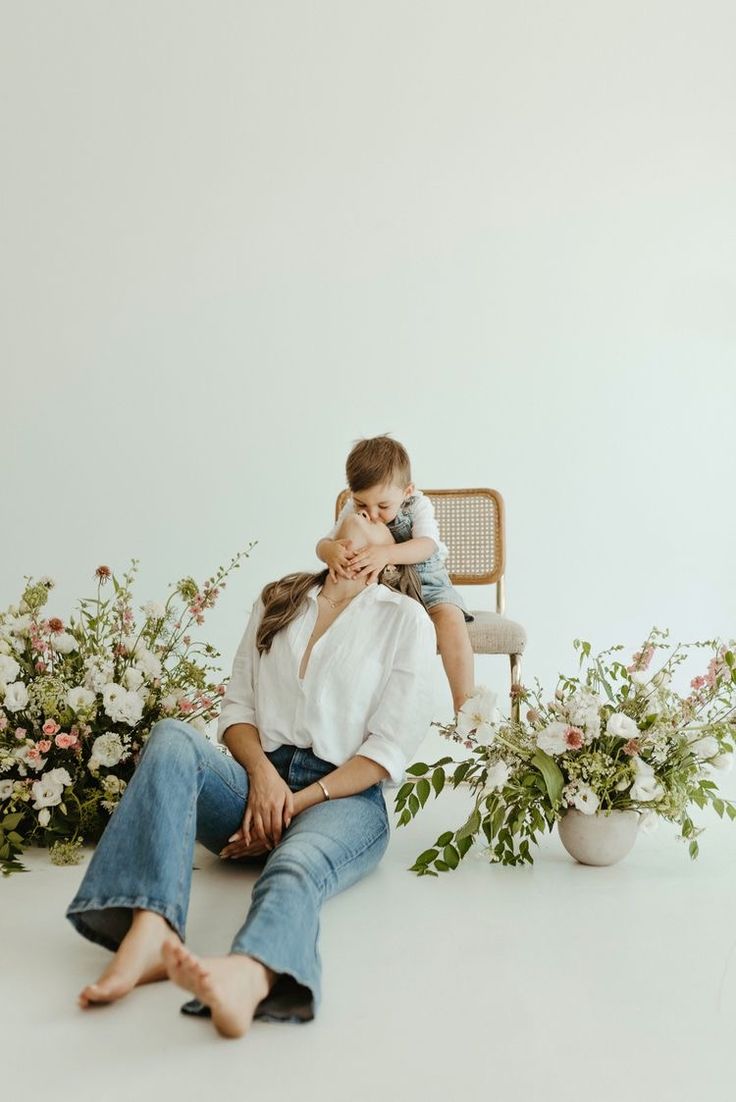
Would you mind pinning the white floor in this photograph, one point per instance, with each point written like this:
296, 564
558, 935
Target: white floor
557, 982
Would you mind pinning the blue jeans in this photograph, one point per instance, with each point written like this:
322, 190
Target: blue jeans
183, 789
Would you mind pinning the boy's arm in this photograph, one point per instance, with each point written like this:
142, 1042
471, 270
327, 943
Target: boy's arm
410, 551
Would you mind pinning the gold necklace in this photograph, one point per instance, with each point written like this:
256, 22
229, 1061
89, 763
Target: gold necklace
336, 604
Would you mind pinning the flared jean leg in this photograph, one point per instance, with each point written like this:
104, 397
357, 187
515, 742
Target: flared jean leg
183, 788
326, 849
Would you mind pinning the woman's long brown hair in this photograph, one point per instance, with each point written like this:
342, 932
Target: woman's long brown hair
283, 599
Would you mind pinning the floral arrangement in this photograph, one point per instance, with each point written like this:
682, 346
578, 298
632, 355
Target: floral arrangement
79, 698
614, 737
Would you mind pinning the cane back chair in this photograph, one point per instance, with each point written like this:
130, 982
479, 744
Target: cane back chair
472, 524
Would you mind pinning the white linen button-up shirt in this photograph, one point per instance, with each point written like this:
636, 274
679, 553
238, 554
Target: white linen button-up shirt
366, 687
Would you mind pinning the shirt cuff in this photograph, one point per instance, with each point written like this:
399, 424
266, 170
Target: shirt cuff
231, 715
385, 753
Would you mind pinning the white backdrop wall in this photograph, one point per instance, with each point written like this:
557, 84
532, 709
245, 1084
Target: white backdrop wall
238, 236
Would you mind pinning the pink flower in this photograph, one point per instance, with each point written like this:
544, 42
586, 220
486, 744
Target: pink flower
50, 727
641, 659
631, 747
103, 573
56, 625
66, 742
44, 745
532, 716
187, 640
573, 738
20, 733
3, 722
697, 682
220, 690
40, 667
34, 754
185, 706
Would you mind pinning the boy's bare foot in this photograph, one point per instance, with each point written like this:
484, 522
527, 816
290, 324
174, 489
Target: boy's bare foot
231, 986
137, 961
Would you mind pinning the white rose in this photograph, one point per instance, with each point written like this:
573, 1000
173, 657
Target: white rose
724, 762
586, 800
154, 610
552, 739
645, 788
44, 816
480, 715
147, 661
9, 670
58, 776
621, 726
133, 679
497, 777
46, 792
6, 790
80, 700
130, 709
705, 747
16, 697
64, 643
107, 750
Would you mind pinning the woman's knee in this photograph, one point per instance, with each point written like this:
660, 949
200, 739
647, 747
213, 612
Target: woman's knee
171, 735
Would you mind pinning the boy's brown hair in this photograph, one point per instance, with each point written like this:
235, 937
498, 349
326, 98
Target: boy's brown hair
376, 461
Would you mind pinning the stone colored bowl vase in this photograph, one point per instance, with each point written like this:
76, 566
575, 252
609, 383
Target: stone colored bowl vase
598, 839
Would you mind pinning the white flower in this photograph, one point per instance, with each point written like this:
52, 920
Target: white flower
621, 726
662, 678
47, 790
170, 703
25, 763
18, 625
147, 661
648, 820
154, 610
80, 699
6, 790
586, 800
44, 816
705, 747
107, 750
552, 739
4, 646
121, 705
16, 697
99, 671
583, 711
480, 715
9, 670
497, 777
64, 643
645, 788
133, 679
724, 762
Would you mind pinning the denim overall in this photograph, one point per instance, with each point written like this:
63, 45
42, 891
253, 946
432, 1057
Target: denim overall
437, 589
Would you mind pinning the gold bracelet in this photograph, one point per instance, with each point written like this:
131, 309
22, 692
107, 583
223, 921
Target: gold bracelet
327, 795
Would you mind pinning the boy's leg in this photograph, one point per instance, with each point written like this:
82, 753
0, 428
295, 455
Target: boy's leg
135, 892
454, 646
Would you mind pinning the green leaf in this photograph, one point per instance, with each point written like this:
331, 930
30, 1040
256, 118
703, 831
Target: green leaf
438, 781
472, 826
414, 805
731, 811
719, 807
423, 790
460, 773
418, 769
441, 865
405, 817
550, 770
10, 822
427, 857
451, 856
463, 845
405, 790
445, 839
15, 838
693, 849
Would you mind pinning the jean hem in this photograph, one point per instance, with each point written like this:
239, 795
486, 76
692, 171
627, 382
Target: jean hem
74, 913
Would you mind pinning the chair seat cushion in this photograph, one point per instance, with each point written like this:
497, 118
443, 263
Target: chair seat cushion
494, 634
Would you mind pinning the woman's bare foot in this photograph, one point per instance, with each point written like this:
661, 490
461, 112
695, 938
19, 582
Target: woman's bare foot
231, 986
137, 961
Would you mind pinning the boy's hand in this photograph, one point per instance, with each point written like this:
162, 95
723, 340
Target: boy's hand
337, 556
368, 562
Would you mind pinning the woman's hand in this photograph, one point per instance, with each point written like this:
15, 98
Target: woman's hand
269, 810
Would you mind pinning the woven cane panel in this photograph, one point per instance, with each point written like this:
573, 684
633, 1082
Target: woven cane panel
470, 523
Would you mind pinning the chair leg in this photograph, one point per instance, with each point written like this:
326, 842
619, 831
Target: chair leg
515, 685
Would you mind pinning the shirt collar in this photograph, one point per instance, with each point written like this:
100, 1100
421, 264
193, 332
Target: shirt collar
375, 592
